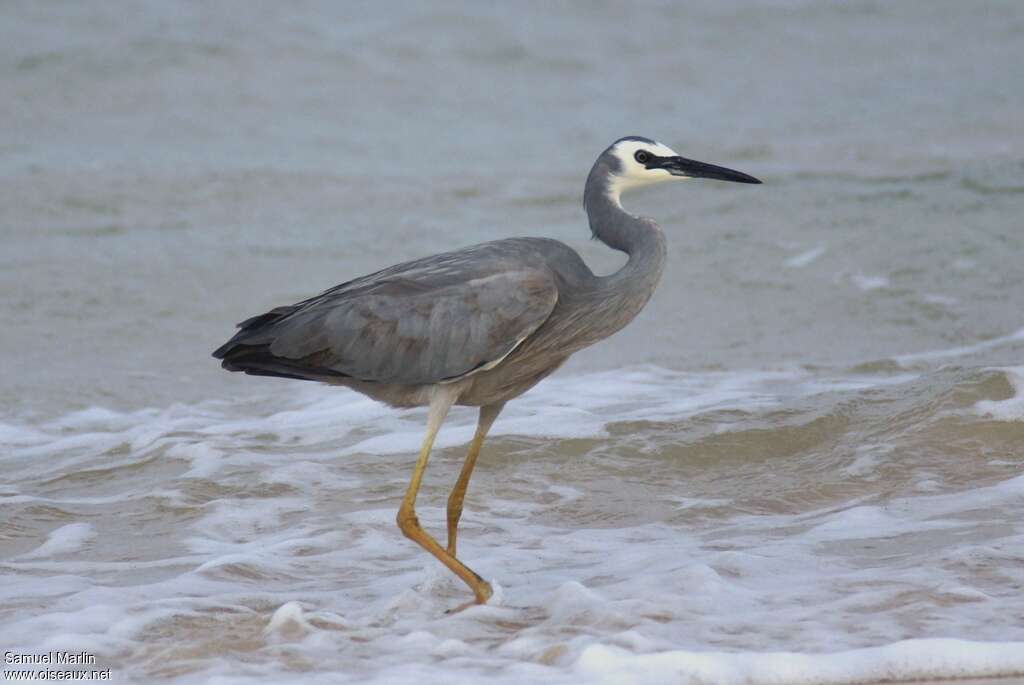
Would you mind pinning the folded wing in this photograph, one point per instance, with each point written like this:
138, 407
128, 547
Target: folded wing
423, 322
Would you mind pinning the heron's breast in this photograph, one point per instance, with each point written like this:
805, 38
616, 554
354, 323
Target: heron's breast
516, 374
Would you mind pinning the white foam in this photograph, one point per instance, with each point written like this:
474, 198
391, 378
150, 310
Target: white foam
805, 258
64, 540
868, 458
898, 662
209, 435
204, 458
288, 622
1012, 408
868, 522
962, 351
627, 541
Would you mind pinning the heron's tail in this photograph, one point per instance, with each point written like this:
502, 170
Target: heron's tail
248, 351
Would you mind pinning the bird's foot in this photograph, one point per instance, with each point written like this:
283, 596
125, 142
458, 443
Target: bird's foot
461, 607
483, 593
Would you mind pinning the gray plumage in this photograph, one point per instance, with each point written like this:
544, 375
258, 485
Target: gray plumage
426, 321
476, 326
495, 317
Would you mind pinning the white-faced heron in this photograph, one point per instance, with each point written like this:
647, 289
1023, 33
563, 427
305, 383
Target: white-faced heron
476, 326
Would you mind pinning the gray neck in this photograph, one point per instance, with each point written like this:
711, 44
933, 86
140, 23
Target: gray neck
640, 238
619, 297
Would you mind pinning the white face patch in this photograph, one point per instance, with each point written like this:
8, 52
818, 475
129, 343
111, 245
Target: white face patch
633, 174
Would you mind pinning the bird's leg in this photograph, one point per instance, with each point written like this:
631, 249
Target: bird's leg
484, 423
440, 403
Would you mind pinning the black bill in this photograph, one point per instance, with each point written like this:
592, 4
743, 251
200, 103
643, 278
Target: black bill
691, 168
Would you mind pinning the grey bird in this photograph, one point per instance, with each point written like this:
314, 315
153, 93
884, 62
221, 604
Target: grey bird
476, 326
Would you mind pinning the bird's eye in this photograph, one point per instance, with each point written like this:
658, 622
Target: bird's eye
642, 156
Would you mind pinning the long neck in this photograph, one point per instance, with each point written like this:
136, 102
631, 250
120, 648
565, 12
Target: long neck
641, 239
613, 301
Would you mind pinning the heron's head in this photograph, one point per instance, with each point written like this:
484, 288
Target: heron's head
632, 162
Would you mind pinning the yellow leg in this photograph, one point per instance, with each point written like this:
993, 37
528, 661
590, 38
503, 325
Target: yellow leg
407, 520
486, 420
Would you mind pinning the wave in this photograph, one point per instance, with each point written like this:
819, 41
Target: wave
791, 525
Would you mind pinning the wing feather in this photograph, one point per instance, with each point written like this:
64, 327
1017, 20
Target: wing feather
424, 324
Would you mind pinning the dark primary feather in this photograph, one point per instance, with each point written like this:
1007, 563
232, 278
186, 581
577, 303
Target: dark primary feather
420, 322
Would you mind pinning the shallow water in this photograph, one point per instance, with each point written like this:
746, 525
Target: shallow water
628, 518
801, 464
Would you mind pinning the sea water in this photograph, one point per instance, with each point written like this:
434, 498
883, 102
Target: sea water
802, 463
